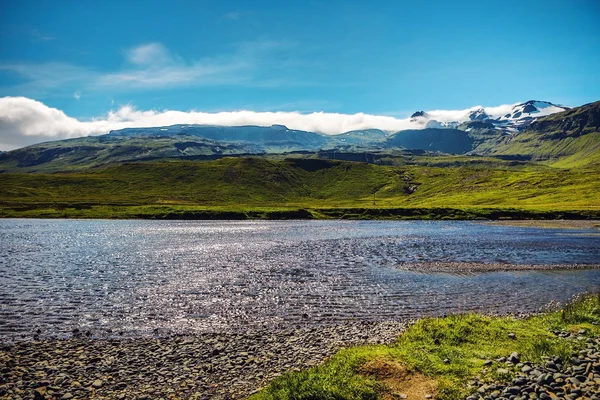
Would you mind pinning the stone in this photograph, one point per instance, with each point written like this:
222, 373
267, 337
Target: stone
67, 396
514, 357
97, 384
37, 395
512, 335
551, 365
512, 390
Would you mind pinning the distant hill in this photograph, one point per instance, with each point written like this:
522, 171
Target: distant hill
73, 154
273, 138
451, 141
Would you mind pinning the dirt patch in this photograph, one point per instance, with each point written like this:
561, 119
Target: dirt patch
397, 382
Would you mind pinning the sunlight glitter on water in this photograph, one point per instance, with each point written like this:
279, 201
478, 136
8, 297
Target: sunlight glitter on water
189, 276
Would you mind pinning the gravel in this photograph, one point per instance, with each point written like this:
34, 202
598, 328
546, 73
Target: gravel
204, 366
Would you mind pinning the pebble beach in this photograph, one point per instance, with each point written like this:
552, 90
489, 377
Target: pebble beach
205, 366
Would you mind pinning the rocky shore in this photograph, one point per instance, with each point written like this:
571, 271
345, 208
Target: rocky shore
578, 378
205, 366
234, 365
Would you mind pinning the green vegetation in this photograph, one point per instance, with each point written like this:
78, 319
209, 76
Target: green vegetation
303, 188
465, 341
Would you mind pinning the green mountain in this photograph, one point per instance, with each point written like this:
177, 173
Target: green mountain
566, 139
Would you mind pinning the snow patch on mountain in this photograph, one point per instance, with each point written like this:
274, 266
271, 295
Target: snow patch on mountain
523, 112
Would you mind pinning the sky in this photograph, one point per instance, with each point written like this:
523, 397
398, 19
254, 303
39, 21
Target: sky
72, 68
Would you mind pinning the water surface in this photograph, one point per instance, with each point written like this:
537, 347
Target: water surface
191, 276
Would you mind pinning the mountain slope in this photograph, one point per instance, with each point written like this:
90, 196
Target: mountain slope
452, 141
567, 139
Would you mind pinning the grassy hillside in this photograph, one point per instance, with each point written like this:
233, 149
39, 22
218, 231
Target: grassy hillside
567, 139
326, 188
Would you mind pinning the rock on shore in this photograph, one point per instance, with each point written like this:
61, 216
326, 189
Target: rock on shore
578, 378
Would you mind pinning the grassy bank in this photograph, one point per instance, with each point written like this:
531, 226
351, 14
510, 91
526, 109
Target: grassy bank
239, 188
441, 355
187, 212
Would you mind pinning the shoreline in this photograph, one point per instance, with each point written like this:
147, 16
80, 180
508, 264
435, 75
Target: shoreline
201, 366
208, 213
236, 365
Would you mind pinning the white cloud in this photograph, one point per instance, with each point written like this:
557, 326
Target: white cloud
146, 54
77, 95
24, 121
154, 66
149, 66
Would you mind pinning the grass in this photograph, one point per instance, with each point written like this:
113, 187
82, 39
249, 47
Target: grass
304, 188
467, 341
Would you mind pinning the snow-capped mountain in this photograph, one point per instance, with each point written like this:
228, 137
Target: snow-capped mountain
504, 118
525, 112
478, 115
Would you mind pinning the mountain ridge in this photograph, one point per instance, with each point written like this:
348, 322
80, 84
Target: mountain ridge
546, 138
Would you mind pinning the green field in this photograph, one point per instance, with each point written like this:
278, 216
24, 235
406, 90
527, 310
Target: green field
235, 188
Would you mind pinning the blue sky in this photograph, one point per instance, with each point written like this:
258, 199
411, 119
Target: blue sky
374, 57
377, 57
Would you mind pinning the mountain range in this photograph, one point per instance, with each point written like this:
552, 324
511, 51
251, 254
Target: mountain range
534, 130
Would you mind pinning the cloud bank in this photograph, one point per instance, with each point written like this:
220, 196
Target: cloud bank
25, 121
